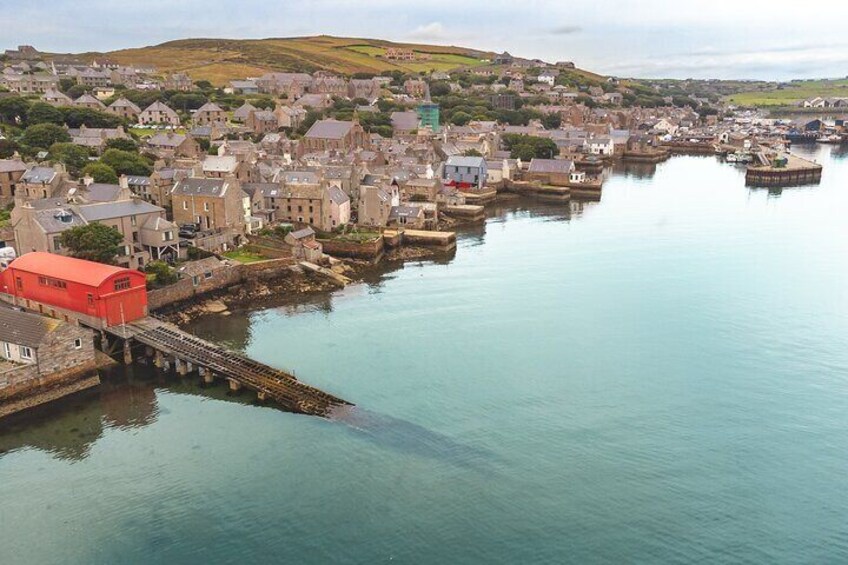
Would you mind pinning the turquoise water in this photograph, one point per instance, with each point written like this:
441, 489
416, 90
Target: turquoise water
659, 377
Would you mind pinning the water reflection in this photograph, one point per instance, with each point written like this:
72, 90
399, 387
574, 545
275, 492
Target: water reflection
635, 170
407, 437
67, 428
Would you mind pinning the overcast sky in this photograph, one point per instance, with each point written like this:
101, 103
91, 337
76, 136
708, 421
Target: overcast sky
647, 38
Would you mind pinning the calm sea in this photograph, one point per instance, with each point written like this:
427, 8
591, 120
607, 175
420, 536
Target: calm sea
658, 377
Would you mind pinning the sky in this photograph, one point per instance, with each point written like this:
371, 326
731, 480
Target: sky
774, 40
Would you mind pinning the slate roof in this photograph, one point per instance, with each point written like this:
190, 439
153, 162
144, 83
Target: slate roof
157, 223
136, 180
550, 166
201, 187
337, 195
11, 166
404, 121
209, 107
243, 111
99, 192
23, 328
36, 175
166, 140
119, 209
124, 103
195, 268
50, 222
89, 99
159, 106
463, 161
329, 129
302, 234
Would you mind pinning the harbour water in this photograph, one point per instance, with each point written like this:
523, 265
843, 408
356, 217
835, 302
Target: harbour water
658, 377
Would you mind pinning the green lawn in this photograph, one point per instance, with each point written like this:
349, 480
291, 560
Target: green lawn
243, 256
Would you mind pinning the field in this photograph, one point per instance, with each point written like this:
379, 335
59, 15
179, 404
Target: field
222, 60
789, 94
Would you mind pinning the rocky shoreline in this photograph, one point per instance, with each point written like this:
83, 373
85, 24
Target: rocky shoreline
296, 281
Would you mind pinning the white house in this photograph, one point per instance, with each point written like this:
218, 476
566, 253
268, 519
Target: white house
600, 146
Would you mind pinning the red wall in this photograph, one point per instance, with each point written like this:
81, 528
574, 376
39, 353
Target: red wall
107, 302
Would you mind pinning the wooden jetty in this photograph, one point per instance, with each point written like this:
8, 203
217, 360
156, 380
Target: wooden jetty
166, 344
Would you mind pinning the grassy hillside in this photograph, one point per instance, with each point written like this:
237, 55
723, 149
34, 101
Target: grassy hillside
789, 94
221, 60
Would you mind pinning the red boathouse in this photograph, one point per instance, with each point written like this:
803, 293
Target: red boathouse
95, 294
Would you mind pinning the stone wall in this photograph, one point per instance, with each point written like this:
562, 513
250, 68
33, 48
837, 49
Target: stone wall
370, 250
184, 289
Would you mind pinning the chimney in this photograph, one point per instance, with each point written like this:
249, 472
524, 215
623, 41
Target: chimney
124, 181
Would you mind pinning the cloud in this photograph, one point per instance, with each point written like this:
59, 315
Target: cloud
429, 32
566, 30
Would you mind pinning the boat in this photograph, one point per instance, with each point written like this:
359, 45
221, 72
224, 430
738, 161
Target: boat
831, 139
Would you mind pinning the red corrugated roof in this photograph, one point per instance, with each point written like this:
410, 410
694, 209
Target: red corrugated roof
66, 268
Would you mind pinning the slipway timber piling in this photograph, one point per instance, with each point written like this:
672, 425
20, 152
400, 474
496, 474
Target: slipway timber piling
168, 346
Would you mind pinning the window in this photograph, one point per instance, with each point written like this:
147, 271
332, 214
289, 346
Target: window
207, 275
78, 343
133, 221
90, 300
195, 280
205, 206
8, 350
19, 283
185, 205
55, 283
122, 283
26, 352
168, 236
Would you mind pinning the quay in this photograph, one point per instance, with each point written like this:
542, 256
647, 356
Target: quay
445, 240
789, 170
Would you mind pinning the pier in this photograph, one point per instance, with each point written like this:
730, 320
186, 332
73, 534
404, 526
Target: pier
168, 346
791, 171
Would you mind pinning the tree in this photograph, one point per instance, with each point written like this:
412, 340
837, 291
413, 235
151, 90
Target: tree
526, 147
44, 113
74, 157
552, 120
126, 163
76, 91
124, 144
7, 148
42, 136
439, 88
12, 109
163, 274
65, 84
460, 118
76, 117
472, 153
94, 242
100, 173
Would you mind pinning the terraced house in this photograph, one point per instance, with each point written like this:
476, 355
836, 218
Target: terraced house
210, 204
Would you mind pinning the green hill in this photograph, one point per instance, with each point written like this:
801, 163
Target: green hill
221, 60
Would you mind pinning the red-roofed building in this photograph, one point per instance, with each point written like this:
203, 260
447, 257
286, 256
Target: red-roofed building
95, 294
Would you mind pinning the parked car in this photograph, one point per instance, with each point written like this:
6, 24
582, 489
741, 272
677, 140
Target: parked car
188, 231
